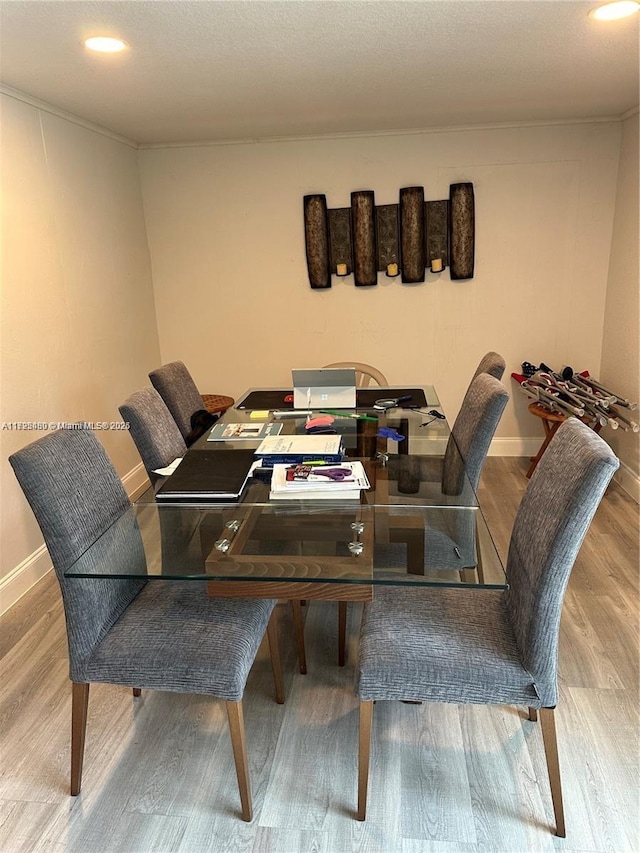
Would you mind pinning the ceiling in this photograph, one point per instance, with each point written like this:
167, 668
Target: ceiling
246, 69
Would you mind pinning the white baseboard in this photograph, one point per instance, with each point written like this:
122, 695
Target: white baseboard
25, 575
515, 446
629, 481
135, 482
34, 567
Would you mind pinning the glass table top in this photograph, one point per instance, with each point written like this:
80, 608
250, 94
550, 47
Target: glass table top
420, 523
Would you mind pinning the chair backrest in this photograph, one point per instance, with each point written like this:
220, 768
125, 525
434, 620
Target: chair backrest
364, 372
472, 432
491, 362
551, 523
175, 385
153, 429
76, 494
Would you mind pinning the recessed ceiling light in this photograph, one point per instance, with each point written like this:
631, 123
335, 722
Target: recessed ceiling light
613, 11
104, 44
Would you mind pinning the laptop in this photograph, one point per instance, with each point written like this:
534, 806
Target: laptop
324, 388
208, 475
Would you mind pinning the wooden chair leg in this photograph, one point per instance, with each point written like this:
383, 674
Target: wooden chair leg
79, 705
533, 715
137, 691
548, 725
298, 625
274, 650
364, 753
239, 745
342, 633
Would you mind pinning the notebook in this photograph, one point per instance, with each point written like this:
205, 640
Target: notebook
208, 475
324, 388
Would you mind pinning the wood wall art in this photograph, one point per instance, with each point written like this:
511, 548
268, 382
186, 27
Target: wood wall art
462, 230
412, 234
437, 235
340, 243
316, 232
404, 238
387, 231
363, 229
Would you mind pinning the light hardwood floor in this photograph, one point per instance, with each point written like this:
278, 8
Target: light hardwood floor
159, 775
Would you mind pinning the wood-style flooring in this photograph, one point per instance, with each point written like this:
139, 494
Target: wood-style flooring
158, 771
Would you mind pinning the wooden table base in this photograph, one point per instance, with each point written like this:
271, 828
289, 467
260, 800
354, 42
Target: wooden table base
296, 590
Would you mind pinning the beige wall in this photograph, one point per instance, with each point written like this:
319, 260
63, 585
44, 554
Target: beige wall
78, 321
231, 290
233, 301
620, 362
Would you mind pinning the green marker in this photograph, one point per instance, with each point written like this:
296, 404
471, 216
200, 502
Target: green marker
348, 415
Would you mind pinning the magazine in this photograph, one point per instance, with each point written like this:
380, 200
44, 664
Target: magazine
240, 432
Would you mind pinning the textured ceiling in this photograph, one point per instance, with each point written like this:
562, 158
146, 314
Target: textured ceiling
216, 70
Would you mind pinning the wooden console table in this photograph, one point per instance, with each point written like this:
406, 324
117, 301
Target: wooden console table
550, 421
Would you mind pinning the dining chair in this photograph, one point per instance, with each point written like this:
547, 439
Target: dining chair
491, 362
180, 393
449, 537
153, 430
487, 646
472, 433
159, 442
364, 372
160, 635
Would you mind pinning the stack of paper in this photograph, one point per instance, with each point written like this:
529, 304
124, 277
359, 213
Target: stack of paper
343, 481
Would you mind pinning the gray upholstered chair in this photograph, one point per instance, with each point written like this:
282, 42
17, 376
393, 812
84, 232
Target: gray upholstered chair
159, 442
491, 646
153, 429
160, 635
472, 433
492, 363
175, 385
364, 372
450, 537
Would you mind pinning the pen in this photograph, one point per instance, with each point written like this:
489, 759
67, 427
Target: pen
348, 415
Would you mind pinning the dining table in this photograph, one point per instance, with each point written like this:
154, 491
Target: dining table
420, 523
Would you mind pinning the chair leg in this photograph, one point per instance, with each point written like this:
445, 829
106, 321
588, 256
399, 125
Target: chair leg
533, 715
548, 725
298, 625
137, 691
79, 705
342, 633
364, 753
239, 745
274, 650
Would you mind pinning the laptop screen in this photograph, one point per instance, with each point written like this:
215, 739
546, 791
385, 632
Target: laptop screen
324, 387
